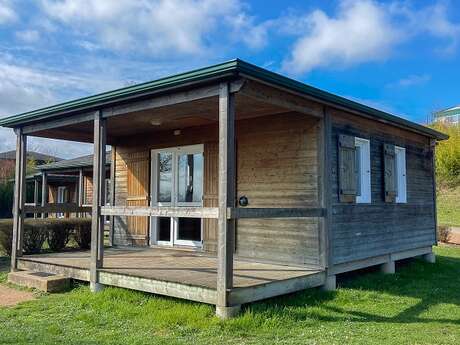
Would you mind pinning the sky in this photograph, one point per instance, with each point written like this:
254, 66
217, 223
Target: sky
398, 56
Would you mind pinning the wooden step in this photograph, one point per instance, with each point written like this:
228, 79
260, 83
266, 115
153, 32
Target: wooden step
47, 282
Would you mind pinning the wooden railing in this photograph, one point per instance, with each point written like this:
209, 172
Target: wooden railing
212, 212
56, 208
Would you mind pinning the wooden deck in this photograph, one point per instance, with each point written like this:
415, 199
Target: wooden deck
178, 273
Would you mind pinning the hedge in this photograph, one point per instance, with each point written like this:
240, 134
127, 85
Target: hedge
55, 231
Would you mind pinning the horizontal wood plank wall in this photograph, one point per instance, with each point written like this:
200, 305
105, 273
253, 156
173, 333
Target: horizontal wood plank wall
362, 231
88, 189
277, 167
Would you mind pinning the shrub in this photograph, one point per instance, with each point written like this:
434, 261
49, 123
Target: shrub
6, 199
82, 233
56, 231
448, 156
443, 233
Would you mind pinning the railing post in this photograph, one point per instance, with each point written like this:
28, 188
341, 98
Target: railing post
97, 225
226, 227
19, 198
35, 195
44, 191
80, 192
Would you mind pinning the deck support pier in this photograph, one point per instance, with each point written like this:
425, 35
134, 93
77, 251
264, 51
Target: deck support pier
19, 198
330, 284
97, 221
226, 227
388, 267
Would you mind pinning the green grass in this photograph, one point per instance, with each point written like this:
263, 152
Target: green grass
448, 204
418, 305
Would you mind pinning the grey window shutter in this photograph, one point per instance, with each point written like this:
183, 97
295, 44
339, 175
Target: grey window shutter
389, 164
347, 168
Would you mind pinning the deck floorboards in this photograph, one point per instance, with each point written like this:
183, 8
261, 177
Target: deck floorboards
178, 266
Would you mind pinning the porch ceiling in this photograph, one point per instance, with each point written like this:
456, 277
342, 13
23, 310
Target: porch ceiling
195, 113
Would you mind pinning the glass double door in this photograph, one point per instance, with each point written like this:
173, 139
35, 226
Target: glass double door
177, 181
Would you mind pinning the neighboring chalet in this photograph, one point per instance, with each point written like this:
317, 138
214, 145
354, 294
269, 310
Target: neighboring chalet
449, 116
8, 159
67, 181
234, 184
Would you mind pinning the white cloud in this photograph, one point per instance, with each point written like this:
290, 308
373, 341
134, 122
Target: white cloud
24, 88
157, 27
28, 36
361, 31
7, 13
414, 79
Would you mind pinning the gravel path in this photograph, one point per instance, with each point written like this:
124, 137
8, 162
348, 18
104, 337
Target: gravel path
10, 297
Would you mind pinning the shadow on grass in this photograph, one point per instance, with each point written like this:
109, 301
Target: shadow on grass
430, 284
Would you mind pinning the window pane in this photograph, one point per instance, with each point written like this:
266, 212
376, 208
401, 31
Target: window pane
189, 229
190, 176
164, 177
358, 168
164, 229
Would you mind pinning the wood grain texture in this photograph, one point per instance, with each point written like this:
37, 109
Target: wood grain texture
361, 231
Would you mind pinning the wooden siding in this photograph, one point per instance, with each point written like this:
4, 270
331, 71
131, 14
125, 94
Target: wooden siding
210, 197
362, 231
277, 167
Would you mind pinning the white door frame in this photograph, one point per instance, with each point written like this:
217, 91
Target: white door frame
174, 231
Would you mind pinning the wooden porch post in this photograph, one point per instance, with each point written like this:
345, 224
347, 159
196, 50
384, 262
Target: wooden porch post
226, 227
44, 191
35, 195
330, 283
112, 194
19, 198
97, 226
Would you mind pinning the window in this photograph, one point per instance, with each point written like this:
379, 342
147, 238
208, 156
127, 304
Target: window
354, 170
363, 170
400, 176
61, 199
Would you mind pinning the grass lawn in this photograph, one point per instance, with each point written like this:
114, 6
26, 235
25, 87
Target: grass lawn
418, 305
449, 206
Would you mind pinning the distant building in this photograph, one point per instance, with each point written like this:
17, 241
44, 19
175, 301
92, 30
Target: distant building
448, 116
7, 162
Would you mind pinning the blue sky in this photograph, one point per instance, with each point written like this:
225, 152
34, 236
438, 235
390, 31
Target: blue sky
398, 56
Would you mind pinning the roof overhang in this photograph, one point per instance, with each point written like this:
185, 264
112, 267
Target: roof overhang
190, 87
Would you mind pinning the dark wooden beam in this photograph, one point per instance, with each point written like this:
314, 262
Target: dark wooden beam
227, 169
56, 208
36, 186
169, 99
112, 194
97, 221
19, 198
251, 212
326, 177
59, 122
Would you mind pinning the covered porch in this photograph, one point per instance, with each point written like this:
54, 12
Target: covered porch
263, 208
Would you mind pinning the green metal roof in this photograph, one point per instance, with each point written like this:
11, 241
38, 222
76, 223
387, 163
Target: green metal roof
222, 70
75, 163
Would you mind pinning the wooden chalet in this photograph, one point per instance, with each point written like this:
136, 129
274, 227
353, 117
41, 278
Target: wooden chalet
233, 184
